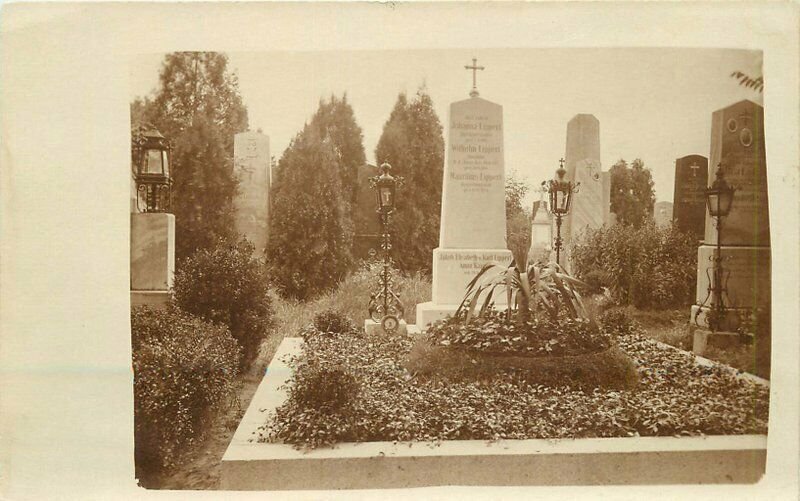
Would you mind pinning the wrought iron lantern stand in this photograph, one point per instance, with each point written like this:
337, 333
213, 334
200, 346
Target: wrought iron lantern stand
719, 198
560, 191
385, 306
150, 156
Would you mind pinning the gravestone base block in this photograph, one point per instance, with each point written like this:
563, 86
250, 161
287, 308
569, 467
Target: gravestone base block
453, 269
729, 323
154, 299
704, 338
372, 327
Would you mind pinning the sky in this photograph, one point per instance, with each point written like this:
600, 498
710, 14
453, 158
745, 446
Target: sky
653, 104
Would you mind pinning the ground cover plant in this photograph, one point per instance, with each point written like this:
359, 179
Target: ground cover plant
384, 402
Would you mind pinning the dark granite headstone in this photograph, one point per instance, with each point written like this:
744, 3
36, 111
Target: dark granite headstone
737, 142
689, 201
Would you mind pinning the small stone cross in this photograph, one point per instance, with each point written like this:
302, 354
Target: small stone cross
474, 68
694, 168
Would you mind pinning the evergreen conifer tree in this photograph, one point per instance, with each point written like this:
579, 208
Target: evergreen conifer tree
412, 143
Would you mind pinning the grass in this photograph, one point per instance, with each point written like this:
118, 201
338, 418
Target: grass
672, 327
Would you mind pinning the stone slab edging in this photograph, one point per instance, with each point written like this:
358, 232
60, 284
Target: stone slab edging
251, 465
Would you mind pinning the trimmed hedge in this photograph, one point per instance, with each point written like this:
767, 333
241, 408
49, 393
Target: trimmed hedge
227, 285
185, 370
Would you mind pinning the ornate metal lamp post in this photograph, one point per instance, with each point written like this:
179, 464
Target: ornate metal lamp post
560, 191
150, 155
719, 198
384, 305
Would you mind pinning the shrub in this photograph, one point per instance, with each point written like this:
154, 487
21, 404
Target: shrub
493, 332
648, 266
227, 285
185, 370
617, 322
334, 322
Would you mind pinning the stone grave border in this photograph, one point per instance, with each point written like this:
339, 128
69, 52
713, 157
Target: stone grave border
250, 465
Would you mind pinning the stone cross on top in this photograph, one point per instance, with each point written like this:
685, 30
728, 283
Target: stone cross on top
474, 68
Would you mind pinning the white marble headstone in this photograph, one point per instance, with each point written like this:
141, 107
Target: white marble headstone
473, 222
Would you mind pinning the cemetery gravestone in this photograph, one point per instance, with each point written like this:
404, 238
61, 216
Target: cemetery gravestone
662, 213
737, 142
591, 205
473, 223
251, 164
691, 179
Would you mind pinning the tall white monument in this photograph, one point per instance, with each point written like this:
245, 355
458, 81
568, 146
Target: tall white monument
591, 204
251, 165
473, 224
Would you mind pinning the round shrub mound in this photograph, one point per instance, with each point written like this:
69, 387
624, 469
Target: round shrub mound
184, 370
493, 332
610, 368
564, 351
227, 285
324, 394
334, 322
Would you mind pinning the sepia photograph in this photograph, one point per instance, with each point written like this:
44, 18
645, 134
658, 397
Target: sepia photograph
382, 250
373, 269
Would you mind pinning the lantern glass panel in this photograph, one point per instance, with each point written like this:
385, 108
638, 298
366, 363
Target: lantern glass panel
153, 163
725, 200
712, 199
386, 197
165, 162
561, 201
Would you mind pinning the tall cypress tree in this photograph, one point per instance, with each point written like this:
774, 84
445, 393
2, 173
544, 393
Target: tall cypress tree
310, 247
198, 107
335, 118
412, 143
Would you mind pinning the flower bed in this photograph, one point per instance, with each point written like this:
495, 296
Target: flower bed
384, 403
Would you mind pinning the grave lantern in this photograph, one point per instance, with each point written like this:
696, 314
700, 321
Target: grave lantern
150, 156
384, 304
386, 185
560, 191
719, 199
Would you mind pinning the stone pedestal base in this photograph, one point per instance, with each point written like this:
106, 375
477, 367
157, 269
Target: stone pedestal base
156, 299
699, 317
429, 312
453, 269
703, 339
373, 327
152, 251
